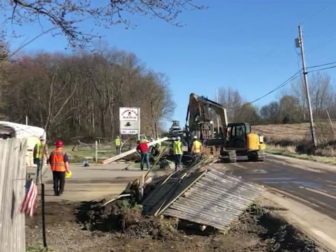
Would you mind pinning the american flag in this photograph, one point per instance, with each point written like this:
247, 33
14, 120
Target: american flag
29, 202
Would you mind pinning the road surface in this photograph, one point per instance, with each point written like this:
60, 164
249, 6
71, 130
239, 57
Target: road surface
95, 182
305, 190
311, 183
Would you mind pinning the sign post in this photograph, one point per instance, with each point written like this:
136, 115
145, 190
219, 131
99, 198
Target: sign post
129, 121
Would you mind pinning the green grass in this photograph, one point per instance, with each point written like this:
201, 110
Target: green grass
289, 151
87, 153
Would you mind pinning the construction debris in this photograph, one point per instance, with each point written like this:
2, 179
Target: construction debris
208, 197
116, 198
199, 193
171, 188
127, 153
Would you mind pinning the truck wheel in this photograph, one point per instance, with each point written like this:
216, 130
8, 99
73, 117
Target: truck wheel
252, 156
232, 156
260, 155
256, 156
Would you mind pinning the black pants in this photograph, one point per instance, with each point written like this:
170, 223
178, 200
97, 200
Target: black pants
178, 161
59, 181
38, 163
118, 149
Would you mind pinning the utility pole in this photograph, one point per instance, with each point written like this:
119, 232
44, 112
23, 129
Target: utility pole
299, 43
217, 119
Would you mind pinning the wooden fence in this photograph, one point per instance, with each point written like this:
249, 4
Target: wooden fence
12, 190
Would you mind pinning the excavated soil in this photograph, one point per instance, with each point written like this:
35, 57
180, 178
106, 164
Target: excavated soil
120, 226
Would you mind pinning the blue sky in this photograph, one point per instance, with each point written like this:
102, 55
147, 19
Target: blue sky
247, 45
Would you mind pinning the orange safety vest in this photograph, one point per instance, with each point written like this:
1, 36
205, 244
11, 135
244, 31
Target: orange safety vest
57, 161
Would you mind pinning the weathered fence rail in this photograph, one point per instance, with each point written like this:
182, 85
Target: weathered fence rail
12, 190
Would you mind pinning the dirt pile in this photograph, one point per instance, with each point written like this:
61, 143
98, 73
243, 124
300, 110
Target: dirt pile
125, 217
120, 226
274, 233
260, 227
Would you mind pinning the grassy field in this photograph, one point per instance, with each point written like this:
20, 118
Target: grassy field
290, 152
296, 132
274, 132
295, 140
88, 152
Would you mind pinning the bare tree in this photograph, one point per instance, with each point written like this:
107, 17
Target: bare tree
231, 100
248, 113
270, 113
3, 67
81, 95
66, 15
321, 93
290, 110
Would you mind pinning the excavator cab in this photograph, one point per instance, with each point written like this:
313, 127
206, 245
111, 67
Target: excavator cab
236, 135
244, 142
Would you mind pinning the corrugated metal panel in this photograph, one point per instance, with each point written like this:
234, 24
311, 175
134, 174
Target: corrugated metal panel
214, 200
164, 194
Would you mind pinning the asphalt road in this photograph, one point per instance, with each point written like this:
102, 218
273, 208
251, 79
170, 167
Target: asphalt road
94, 182
311, 183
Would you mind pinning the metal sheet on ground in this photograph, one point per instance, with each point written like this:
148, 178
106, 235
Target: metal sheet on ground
216, 200
163, 195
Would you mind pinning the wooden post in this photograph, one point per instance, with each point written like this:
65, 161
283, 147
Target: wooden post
331, 124
43, 218
141, 187
12, 180
96, 155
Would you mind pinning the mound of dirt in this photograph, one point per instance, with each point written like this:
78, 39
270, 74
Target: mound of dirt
123, 216
120, 226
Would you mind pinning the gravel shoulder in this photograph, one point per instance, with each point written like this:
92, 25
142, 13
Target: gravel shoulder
319, 227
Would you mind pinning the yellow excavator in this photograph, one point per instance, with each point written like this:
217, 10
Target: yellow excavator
207, 120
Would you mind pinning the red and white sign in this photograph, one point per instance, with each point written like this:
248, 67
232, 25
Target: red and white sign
129, 121
129, 114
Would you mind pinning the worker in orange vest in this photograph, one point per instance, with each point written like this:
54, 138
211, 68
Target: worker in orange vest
59, 164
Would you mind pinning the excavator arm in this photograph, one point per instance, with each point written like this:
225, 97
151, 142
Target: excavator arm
206, 119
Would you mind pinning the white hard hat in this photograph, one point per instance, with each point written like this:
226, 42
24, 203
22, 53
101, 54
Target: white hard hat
195, 137
178, 138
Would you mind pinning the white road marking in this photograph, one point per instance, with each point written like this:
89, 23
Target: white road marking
320, 192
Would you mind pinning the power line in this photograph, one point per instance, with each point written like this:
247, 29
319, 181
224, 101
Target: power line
293, 77
326, 64
325, 68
